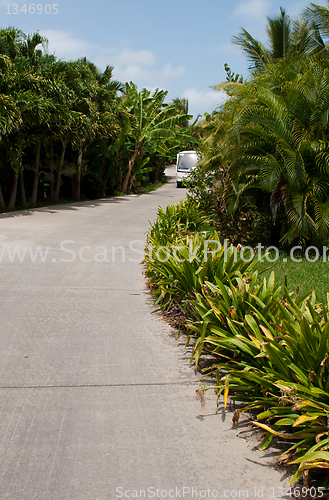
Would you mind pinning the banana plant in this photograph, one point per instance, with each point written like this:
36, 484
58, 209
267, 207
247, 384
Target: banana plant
152, 120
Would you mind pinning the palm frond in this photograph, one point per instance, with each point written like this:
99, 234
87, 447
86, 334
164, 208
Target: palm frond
255, 51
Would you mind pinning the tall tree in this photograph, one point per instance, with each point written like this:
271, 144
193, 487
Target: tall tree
152, 120
318, 17
285, 38
277, 143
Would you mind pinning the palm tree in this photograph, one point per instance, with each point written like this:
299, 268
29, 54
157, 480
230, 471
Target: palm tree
96, 102
26, 87
181, 104
11, 42
55, 115
285, 38
318, 18
152, 120
35, 109
279, 139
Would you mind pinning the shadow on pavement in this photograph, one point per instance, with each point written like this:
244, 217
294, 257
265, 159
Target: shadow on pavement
170, 173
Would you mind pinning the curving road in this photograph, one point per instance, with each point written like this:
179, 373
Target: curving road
97, 397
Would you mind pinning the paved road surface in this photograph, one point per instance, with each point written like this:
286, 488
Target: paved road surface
97, 399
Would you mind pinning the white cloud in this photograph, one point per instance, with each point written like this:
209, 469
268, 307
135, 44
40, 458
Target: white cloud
136, 65
65, 45
252, 8
139, 57
202, 101
169, 72
148, 77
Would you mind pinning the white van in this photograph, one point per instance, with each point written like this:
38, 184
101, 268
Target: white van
186, 162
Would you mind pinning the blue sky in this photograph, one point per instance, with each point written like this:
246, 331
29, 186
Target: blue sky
177, 45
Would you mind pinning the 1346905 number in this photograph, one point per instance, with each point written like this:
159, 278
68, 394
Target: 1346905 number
32, 8
298, 492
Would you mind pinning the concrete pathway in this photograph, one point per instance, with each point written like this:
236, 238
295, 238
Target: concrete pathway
97, 397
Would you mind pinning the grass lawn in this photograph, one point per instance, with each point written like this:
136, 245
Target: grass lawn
307, 275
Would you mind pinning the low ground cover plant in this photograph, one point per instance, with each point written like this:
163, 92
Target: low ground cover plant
274, 357
269, 345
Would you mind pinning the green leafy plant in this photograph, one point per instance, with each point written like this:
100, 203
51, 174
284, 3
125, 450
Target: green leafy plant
276, 361
184, 251
268, 346
181, 219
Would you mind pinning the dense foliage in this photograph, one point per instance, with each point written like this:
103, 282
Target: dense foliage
267, 145
264, 178
66, 128
268, 346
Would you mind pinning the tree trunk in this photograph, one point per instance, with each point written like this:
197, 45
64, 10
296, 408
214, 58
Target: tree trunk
22, 189
78, 186
2, 201
103, 181
118, 172
156, 173
79, 165
34, 189
59, 172
36, 176
120, 176
58, 185
130, 167
52, 191
74, 185
12, 201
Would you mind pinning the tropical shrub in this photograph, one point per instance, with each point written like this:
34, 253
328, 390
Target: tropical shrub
270, 137
177, 220
273, 353
268, 347
221, 307
201, 185
279, 155
248, 226
184, 252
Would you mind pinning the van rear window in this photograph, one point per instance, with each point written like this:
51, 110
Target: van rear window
187, 161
